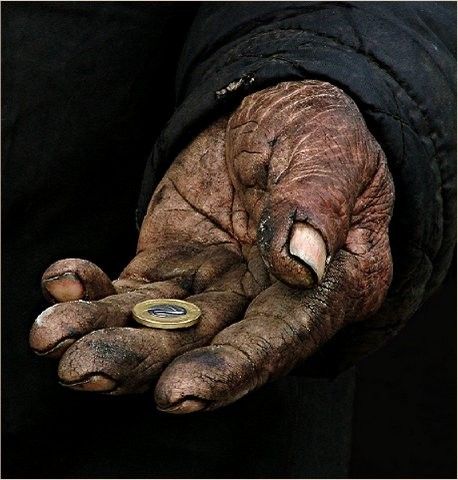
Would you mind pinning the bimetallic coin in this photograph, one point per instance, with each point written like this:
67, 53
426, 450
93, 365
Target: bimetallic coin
166, 313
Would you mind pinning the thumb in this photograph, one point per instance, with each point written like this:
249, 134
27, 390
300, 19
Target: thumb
311, 155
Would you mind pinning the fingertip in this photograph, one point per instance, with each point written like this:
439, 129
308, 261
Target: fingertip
43, 339
59, 326
63, 288
75, 279
121, 355
203, 379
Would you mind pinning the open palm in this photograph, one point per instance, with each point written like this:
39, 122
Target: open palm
274, 221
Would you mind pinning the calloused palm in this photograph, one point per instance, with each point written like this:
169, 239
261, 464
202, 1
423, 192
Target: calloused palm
274, 221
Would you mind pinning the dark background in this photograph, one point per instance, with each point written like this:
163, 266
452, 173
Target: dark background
86, 89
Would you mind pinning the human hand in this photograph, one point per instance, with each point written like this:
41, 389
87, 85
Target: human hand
274, 221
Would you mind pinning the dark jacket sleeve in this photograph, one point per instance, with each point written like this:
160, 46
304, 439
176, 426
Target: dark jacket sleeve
397, 61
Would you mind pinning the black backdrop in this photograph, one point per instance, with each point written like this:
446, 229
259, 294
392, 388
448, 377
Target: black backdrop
86, 88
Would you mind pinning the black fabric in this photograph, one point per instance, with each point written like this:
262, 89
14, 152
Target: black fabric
294, 428
405, 421
397, 60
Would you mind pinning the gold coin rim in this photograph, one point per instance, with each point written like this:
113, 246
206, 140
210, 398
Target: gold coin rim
191, 308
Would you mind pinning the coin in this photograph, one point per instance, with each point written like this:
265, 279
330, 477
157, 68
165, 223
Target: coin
166, 313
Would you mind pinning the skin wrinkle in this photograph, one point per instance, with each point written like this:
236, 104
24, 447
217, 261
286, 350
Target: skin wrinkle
193, 207
219, 225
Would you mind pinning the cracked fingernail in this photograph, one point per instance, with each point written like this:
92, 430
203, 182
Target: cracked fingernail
65, 287
308, 245
95, 383
185, 406
57, 350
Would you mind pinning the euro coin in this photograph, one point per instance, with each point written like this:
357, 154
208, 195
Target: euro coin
166, 313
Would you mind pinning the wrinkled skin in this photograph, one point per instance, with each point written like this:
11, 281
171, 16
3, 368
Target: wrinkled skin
274, 221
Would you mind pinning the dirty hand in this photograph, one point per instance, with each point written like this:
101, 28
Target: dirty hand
274, 221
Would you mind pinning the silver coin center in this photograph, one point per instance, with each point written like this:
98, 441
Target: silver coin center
164, 311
